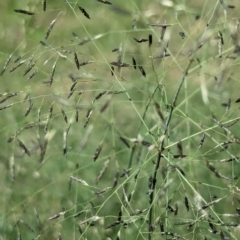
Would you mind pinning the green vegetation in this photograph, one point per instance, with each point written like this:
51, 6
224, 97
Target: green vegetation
115, 128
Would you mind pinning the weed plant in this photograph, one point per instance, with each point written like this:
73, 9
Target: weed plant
119, 119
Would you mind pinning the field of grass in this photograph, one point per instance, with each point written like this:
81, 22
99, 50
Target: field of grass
119, 119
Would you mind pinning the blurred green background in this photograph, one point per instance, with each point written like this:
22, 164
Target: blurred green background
39, 181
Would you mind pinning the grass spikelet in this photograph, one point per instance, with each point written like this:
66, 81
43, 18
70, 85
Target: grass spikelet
23, 147
105, 2
7, 106
64, 115
29, 68
105, 105
30, 106
134, 63
142, 70
44, 2
84, 12
6, 64
58, 215
149, 40
23, 12
124, 140
17, 66
65, 134
52, 73
48, 118
9, 95
12, 168
84, 183
104, 168
140, 40
32, 75
76, 60
85, 138
50, 28
88, 116
97, 152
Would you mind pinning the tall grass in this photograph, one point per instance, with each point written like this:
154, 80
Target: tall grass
119, 120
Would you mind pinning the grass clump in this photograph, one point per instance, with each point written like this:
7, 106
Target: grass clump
119, 120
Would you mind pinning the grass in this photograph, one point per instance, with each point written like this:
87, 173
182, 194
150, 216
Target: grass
145, 153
